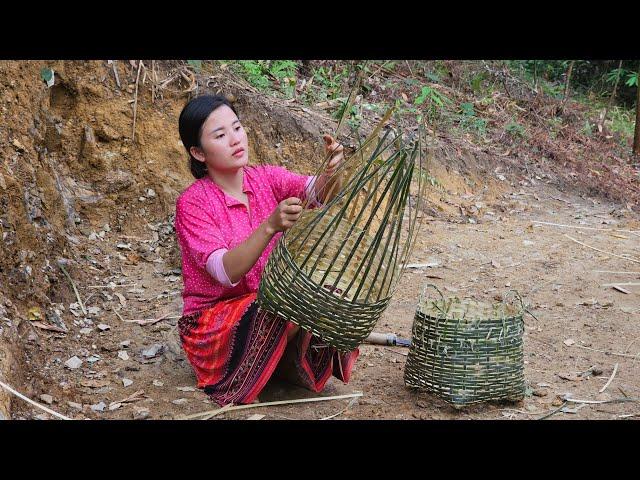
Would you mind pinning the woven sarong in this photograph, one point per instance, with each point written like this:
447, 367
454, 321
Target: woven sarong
234, 348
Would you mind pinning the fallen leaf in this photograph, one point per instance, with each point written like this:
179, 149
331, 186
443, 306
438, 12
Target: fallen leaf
94, 383
123, 301
44, 326
570, 376
134, 397
34, 313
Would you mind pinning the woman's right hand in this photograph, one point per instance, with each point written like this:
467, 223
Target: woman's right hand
285, 215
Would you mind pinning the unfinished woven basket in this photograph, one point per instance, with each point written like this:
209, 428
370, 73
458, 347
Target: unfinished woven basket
466, 351
333, 273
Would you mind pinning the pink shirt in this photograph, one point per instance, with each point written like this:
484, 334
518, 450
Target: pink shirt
207, 219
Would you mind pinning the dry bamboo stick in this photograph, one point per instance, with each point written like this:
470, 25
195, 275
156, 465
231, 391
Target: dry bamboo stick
621, 273
601, 251
584, 228
230, 407
42, 407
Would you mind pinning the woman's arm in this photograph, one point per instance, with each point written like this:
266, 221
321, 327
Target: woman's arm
239, 260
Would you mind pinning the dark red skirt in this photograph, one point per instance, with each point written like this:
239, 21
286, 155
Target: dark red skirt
234, 348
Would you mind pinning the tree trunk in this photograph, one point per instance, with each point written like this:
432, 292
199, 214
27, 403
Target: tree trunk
636, 136
613, 95
566, 87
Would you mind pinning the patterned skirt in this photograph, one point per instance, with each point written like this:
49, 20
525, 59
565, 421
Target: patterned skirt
234, 348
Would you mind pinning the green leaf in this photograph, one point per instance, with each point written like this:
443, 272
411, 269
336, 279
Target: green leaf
46, 74
467, 109
632, 80
196, 64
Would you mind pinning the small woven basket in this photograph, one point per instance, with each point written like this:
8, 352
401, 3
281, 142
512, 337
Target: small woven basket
466, 351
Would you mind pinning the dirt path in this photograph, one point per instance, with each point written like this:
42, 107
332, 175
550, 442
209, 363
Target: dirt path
496, 246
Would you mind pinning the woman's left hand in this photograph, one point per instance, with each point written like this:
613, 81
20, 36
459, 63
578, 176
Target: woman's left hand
331, 146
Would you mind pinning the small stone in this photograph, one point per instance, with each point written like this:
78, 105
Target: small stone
42, 416
569, 341
98, 407
103, 327
158, 383
125, 344
186, 389
179, 401
73, 363
126, 382
93, 359
140, 413
151, 193
527, 243
153, 351
48, 399
75, 405
114, 406
86, 331
16, 143
122, 355
538, 392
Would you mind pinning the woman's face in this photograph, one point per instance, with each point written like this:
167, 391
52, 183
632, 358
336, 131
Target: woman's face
223, 141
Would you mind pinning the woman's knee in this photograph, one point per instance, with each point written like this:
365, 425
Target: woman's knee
293, 332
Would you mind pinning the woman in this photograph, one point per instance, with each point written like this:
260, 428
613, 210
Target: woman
227, 223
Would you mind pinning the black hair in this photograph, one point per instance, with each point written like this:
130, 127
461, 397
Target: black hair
190, 123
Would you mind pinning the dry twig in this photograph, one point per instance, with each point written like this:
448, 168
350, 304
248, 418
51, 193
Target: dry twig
135, 102
73, 285
607, 353
615, 369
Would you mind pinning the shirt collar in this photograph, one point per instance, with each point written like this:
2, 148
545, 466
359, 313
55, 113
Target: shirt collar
228, 199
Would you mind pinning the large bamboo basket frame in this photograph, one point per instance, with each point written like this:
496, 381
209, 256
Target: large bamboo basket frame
466, 351
333, 273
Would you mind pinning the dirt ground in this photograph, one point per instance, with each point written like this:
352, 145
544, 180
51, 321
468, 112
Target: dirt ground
109, 213
503, 249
